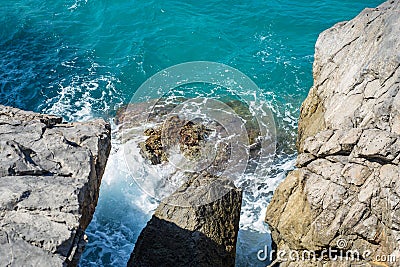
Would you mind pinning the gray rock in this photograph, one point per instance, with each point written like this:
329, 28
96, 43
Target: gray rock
182, 233
347, 184
50, 175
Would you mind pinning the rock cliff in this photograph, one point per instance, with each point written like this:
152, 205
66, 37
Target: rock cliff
345, 192
50, 175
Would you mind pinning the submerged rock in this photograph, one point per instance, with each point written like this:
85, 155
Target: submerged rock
184, 233
345, 193
50, 175
187, 135
162, 112
152, 149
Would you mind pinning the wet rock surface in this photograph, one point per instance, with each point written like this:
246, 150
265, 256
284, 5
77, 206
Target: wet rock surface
187, 135
346, 186
50, 175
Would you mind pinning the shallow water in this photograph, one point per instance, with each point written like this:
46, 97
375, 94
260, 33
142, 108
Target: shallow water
82, 59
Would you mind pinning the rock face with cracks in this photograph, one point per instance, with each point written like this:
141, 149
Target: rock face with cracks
345, 192
50, 175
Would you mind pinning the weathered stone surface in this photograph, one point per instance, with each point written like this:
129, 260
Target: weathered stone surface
346, 186
183, 233
50, 175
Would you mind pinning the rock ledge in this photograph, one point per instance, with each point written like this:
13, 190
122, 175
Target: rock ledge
50, 175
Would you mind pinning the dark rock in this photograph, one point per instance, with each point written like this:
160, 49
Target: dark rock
152, 148
189, 136
183, 233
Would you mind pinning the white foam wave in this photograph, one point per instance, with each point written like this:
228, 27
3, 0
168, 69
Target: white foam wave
77, 4
122, 211
84, 97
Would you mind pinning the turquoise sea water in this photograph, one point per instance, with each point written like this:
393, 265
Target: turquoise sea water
83, 58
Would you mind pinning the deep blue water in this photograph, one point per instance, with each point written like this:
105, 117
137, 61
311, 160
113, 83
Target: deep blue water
83, 58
